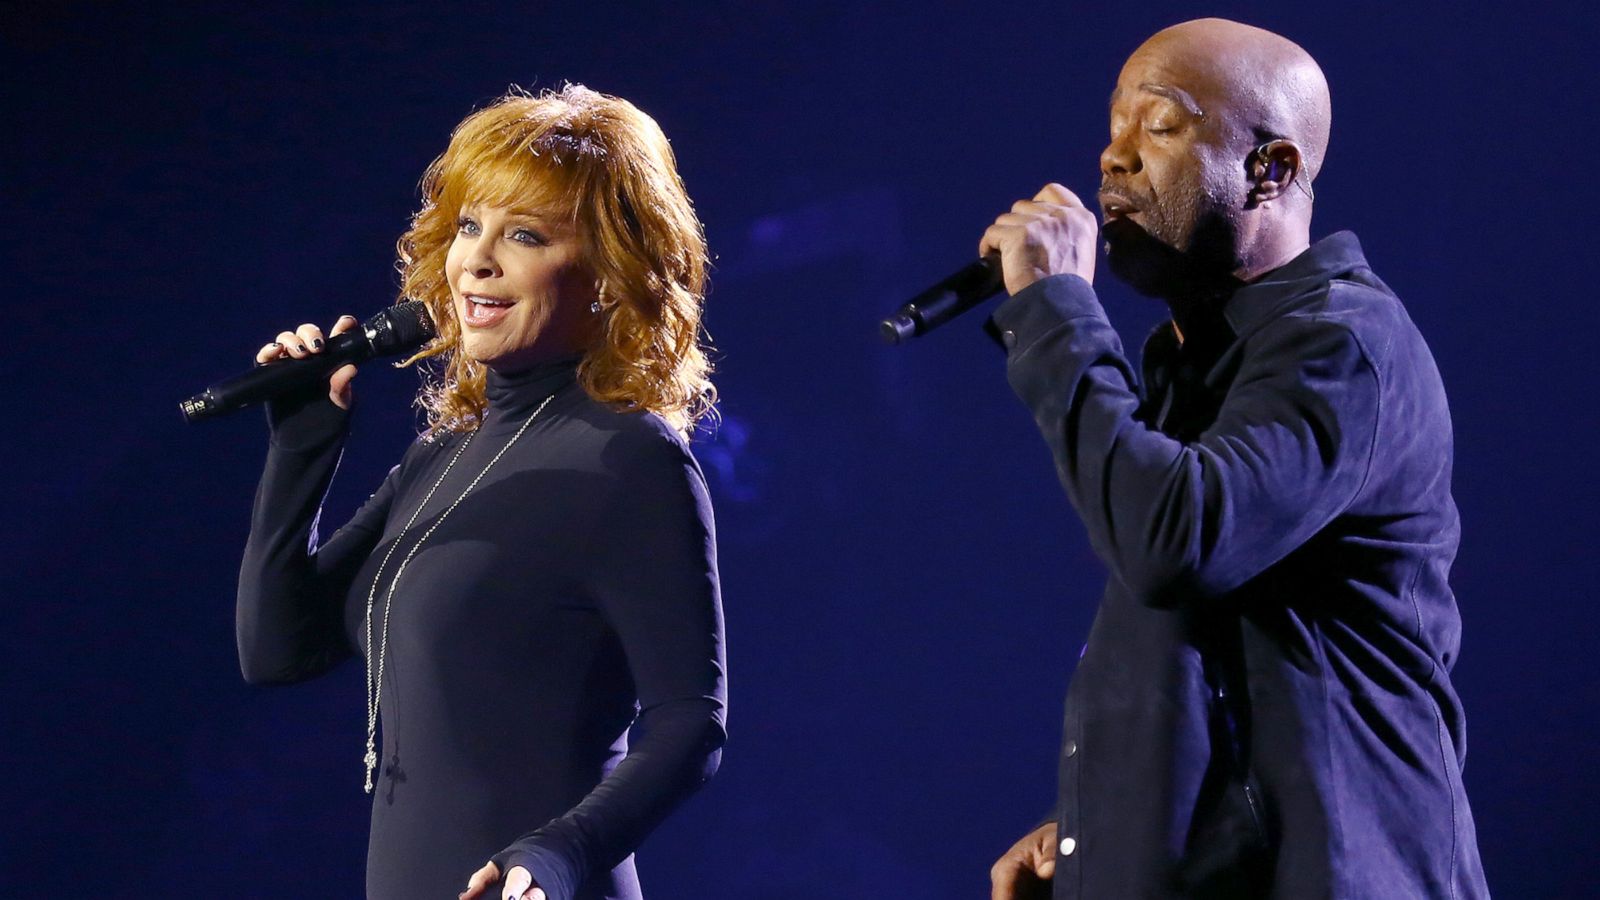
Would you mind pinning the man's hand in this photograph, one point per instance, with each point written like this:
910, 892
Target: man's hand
1024, 872
1052, 234
519, 884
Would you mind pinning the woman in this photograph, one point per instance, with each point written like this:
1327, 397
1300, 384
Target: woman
542, 562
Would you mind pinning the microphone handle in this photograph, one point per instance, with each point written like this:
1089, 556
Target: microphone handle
968, 287
277, 377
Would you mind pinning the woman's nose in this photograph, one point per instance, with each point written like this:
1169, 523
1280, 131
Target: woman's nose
480, 262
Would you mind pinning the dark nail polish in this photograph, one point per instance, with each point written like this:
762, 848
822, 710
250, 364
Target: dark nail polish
303, 348
317, 343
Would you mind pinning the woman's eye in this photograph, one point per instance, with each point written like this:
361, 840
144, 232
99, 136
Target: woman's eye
465, 225
531, 238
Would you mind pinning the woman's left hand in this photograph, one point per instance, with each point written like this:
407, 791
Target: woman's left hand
519, 884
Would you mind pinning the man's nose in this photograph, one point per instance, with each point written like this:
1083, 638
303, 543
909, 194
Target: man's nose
1120, 157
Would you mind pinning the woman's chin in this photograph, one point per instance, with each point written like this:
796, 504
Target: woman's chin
484, 344
511, 361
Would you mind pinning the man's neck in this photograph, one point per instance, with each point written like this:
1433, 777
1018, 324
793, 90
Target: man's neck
1202, 297
1206, 295
1277, 257
1279, 237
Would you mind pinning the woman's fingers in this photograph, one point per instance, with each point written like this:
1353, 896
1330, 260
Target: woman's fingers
480, 881
307, 341
518, 880
292, 345
520, 886
268, 353
339, 382
310, 336
339, 386
302, 342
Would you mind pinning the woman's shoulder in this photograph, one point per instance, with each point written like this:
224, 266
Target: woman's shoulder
430, 443
627, 441
627, 430
425, 447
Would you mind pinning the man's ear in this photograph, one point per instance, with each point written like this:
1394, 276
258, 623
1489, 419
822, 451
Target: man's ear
1274, 166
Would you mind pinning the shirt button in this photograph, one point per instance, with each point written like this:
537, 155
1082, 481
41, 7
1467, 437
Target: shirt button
1070, 750
1068, 845
1009, 338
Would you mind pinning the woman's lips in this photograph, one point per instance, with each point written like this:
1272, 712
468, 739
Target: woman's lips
483, 312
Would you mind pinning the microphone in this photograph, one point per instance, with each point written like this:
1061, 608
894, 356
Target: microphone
969, 286
401, 328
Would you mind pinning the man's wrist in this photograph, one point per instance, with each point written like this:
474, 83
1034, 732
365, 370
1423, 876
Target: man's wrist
1039, 308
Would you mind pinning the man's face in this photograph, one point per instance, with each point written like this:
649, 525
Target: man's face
1170, 191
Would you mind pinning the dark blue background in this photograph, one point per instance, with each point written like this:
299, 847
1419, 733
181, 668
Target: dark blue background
906, 587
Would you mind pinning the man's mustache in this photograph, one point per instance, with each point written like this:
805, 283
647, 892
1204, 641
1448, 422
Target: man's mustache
1140, 201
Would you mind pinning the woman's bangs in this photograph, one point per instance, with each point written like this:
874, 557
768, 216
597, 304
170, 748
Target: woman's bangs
523, 179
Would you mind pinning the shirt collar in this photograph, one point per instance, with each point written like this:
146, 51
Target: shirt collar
514, 395
1320, 263
1208, 337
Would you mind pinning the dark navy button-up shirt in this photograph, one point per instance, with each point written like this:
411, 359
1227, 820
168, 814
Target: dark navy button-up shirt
1264, 706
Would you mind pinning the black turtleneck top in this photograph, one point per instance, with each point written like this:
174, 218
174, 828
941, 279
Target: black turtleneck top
553, 679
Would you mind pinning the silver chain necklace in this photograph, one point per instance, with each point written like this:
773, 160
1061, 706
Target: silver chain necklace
375, 676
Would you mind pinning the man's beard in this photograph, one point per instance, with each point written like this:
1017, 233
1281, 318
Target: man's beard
1185, 245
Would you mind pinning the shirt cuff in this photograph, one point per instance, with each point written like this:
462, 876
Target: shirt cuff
1036, 310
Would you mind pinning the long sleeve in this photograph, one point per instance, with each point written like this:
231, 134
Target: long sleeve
654, 576
1182, 522
289, 619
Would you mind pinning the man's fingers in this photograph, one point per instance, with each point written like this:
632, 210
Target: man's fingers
997, 237
1056, 193
1046, 870
1038, 208
537, 894
1003, 878
1019, 220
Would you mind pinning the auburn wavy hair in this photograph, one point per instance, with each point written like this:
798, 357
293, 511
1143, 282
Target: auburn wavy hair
607, 163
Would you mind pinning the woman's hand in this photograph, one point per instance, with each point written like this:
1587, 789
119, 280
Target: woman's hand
519, 884
307, 341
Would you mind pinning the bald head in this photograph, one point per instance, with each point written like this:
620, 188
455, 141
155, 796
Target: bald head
1263, 84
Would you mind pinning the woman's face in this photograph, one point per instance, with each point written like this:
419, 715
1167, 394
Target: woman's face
520, 287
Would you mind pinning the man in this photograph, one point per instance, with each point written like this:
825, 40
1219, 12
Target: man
1263, 708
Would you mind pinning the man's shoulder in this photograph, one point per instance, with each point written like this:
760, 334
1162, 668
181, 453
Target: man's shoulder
1360, 306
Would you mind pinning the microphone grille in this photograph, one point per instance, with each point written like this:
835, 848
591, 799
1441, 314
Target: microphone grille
401, 328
